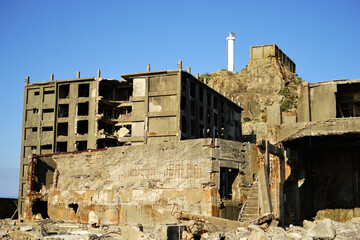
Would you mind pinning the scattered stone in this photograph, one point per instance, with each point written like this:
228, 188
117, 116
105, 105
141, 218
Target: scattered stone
308, 224
26, 228
277, 233
322, 230
255, 228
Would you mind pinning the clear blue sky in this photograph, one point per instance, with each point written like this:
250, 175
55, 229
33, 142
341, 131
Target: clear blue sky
41, 37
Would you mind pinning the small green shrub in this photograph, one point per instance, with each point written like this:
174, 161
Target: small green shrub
246, 119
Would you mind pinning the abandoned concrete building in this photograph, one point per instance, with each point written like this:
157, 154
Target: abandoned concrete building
158, 144
95, 113
322, 147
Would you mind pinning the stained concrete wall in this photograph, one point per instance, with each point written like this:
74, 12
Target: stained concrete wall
145, 184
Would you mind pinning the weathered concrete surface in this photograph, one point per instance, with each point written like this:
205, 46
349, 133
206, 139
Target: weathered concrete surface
144, 184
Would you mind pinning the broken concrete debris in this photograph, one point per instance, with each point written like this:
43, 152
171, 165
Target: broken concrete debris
186, 229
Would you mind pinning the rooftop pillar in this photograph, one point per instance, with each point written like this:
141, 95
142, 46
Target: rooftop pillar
180, 65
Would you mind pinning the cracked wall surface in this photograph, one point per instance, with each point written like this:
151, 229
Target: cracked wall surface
144, 184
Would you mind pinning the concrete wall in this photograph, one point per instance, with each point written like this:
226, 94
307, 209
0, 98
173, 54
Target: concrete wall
145, 184
271, 50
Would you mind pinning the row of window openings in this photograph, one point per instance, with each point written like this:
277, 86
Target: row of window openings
79, 146
64, 90
201, 108
82, 128
210, 97
203, 132
82, 110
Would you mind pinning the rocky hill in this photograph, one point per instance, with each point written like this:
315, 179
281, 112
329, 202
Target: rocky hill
263, 82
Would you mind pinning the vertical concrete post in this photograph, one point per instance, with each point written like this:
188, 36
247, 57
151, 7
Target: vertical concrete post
78, 74
189, 69
27, 80
197, 75
148, 68
52, 77
205, 81
180, 65
98, 73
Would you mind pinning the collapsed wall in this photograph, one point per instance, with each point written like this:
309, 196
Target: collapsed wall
144, 184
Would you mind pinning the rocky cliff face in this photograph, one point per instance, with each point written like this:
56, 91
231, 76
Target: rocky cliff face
263, 82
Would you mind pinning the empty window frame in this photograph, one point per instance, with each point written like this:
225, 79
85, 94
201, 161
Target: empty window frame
64, 91
83, 109
82, 127
49, 92
46, 129
62, 129
63, 110
61, 147
201, 113
46, 147
84, 90
81, 145
192, 89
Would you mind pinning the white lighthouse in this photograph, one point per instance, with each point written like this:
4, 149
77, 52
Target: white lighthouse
230, 51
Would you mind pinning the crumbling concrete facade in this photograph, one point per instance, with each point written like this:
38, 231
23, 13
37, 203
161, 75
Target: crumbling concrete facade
145, 184
95, 113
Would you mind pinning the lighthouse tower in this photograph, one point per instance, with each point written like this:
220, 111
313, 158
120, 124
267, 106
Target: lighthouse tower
230, 51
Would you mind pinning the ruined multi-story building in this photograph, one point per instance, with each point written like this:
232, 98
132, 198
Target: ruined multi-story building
95, 113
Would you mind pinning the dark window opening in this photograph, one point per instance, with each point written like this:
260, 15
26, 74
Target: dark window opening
81, 145
64, 91
45, 129
183, 124
192, 89
83, 109
82, 127
61, 147
34, 129
174, 232
201, 113
39, 206
123, 94
84, 90
215, 120
193, 128
107, 142
49, 92
33, 147
227, 178
215, 102
47, 146
35, 110
348, 100
222, 107
48, 110
74, 206
123, 112
201, 131
209, 96
36, 93
63, 110
209, 116
104, 128
62, 129
201, 94
192, 108
183, 103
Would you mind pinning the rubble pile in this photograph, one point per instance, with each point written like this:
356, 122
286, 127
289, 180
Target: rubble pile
323, 229
50, 229
203, 229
